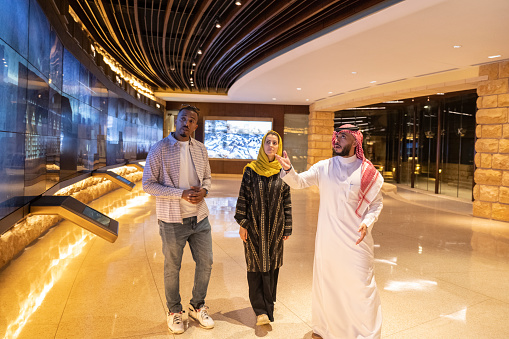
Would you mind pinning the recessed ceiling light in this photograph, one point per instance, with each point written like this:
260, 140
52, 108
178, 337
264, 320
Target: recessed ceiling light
307, 99
218, 25
298, 88
372, 82
192, 85
494, 56
457, 46
330, 92
273, 98
440, 93
199, 51
194, 64
238, 3
354, 72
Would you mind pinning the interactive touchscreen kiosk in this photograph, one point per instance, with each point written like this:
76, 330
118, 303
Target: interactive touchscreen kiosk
117, 179
77, 212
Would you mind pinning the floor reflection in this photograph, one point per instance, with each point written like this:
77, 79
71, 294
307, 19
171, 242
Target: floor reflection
440, 274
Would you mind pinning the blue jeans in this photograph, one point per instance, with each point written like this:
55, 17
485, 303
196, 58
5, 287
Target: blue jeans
174, 237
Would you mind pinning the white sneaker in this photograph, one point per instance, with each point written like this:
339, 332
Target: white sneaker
202, 316
175, 323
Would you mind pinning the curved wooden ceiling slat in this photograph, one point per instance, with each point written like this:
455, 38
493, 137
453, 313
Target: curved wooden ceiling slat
158, 41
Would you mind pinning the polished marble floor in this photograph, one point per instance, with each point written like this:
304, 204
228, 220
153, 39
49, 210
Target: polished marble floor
441, 273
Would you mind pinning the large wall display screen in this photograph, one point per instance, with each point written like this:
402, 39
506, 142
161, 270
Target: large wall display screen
235, 138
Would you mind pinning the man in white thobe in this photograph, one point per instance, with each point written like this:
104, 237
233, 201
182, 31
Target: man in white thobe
345, 301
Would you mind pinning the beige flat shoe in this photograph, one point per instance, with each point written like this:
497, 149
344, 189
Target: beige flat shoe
262, 319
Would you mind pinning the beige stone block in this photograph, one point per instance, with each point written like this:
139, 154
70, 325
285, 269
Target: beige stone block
485, 160
478, 131
491, 116
488, 193
491, 70
503, 146
314, 152
486, 145
500, 161
477, 159
490, 101
503, 195
491, 87
314, 137
325, 115
312, 144
479, 102
503, 71
500, 211
324, 145
482, 209
312, 115
327, 137
505, 178
491, 131
327, 153
311, 159
487, 177
503, 100
476, 192
316, 122
505, 131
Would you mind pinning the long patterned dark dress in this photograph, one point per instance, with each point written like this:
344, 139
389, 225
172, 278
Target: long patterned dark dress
264, 208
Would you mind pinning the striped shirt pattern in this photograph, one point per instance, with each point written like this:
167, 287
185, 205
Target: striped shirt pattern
161, 177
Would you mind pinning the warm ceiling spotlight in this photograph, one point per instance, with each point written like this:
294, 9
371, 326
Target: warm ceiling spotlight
440, 93
218, 25
194, 64
191, 79
354, 72
457, 46
330, 92
199, 51
494, 56
192, 85
307, 99
158, 106
273, 98
298, 88
372, 82
238, 3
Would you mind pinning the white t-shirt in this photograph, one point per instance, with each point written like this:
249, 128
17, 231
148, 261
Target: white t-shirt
188, 178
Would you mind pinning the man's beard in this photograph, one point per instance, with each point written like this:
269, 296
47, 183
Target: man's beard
345, 151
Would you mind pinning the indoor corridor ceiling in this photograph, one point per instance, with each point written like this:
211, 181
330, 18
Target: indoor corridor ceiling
203, 46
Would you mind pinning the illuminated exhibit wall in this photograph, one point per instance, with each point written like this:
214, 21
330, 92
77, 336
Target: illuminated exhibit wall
56, 118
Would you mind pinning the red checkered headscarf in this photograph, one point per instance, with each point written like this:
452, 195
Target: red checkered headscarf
369, 173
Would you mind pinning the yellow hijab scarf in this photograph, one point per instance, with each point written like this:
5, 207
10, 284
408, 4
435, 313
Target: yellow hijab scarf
261, 165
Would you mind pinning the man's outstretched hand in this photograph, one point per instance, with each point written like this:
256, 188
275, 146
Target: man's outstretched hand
284, 161
363, 230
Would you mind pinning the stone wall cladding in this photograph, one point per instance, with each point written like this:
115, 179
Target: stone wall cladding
491, 192
28, 230
321, 126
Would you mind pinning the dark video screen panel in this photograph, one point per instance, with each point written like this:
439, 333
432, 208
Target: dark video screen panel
234, 138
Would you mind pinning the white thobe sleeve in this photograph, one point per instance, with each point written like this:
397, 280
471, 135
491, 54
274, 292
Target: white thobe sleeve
374, 210
301, 180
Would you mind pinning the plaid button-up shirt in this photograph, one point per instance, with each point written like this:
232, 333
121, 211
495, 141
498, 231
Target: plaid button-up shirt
162, 172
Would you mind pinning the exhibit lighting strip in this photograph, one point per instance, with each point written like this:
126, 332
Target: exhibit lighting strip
137, 84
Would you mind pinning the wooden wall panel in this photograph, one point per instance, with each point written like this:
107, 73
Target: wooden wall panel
276, 112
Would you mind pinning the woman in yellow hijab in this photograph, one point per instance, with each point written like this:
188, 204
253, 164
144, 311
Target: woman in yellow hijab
264, 213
